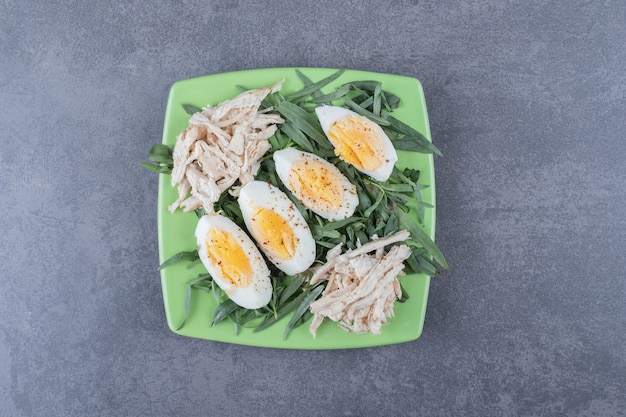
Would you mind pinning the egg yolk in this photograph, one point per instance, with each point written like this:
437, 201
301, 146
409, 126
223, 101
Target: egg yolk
273, 233
314, 182
357, 142
227, 255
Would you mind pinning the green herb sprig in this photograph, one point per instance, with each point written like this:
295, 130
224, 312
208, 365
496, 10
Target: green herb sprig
291, 293
162, 158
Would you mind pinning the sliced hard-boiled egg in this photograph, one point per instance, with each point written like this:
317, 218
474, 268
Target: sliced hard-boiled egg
316, 183
233, 261
358, 141
277, 226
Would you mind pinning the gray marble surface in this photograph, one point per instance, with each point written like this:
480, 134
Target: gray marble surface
527, 101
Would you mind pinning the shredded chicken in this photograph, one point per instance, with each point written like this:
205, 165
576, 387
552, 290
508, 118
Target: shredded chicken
362, 286
221, 149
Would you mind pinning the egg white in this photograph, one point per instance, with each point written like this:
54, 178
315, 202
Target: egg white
259, 292
260, 194
284, 161
328, 115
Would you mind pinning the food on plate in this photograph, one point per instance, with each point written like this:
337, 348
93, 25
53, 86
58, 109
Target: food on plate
254, 187
316, 183
358, 141
233, 261
277, 226
221, 149
361, 287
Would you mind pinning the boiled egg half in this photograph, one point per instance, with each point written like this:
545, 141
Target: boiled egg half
316, 183
233, 261
358, 141
277, 226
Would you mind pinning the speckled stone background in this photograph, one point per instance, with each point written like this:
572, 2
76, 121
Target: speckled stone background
527, 101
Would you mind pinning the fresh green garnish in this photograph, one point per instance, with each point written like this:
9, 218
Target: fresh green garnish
290, 293
161, 155
190, 256
191, 109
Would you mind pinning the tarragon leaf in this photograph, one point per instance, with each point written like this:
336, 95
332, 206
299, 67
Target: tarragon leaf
363, 112
310, 89
305, 122
302, 308
180, 256
330, 97
223, 310
191, 109
419, 236
411, 133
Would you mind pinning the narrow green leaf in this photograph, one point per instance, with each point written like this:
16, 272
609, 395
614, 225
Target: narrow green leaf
201, 287
274, 142
379, 199
415, 267
397, 175
249, 315
365, 85
430, 268
180, 256
338, 224
399, 188
223, 310
199, 278
367, 103
307, 82
282, 312
419, 236
191, 109
349, 244
310, 297
193, 263
200, 212
327, 245
159, 169
413, 175
310, 89
364, 201
362, 98
297, 136
161, 154
413, 144
187, 308
330, 97
411, 134
377, 100
404, 296
305, 317
405, 198
331, 234
282, 140
413, 264
379, 225
392, 225
215, 289
291, 288
305, 122
390, 101
363, 112
361, 236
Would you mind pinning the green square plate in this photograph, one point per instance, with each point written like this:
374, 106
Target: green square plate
176, 230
